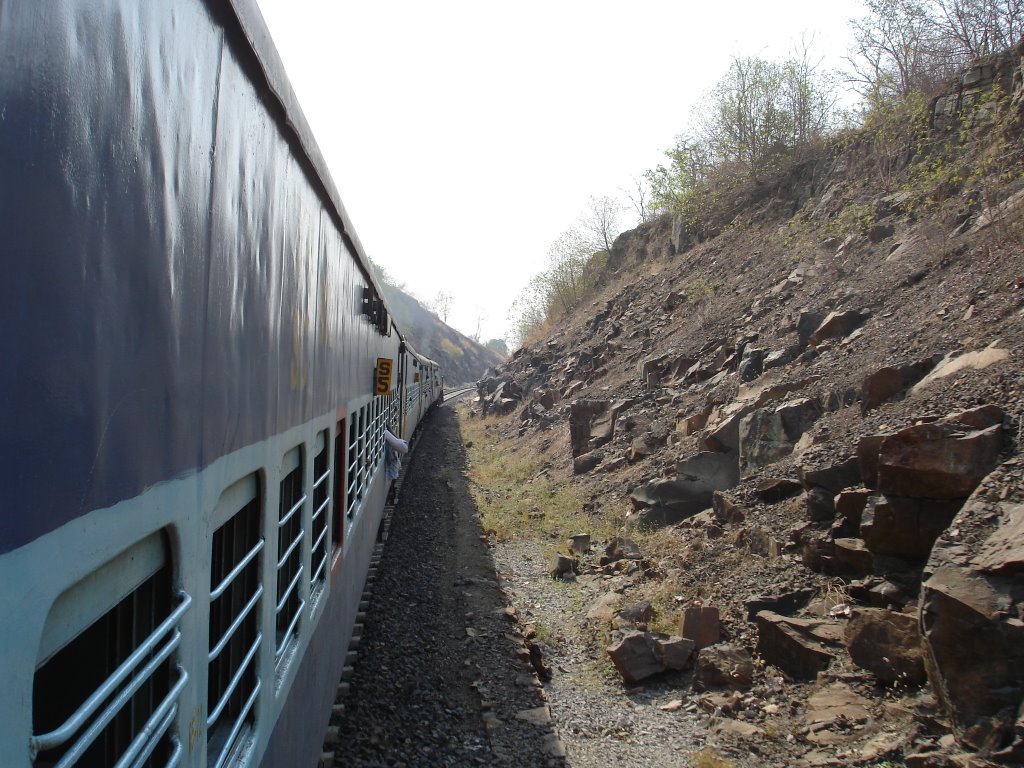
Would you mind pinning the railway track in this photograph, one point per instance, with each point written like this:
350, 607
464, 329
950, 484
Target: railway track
456, 394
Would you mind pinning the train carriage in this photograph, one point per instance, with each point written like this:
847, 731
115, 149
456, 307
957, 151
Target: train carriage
198, 372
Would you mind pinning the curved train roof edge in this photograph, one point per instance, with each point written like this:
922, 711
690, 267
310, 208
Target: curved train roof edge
257, 35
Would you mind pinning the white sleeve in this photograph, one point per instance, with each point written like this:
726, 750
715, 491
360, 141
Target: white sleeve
399, 445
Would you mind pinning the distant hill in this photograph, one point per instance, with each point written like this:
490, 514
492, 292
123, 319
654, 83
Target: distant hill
461, 358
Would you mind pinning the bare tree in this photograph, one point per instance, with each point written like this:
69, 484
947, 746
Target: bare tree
442, 304
981, 27
640, 197
601, 222
899, 48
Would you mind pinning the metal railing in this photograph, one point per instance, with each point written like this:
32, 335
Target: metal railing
148, 737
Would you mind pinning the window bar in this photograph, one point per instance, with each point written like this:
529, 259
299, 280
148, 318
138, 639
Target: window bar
236, 570
71, 726
291, 628
288, 592
291, 548
156, 726
298, 505
323, 560
226, 750
211, 720
230, 631
123, 697
175, 759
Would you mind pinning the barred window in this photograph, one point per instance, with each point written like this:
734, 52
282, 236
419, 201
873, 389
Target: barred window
366, 446
235, 637
290, 533
320, 550
107, 693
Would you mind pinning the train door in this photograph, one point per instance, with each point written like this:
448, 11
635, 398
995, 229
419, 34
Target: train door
401, 391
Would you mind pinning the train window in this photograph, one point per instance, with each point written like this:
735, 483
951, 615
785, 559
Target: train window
320, 549
290, 533
106, 689
235, 595
342, 488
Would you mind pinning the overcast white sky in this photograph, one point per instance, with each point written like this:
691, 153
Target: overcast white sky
465, 135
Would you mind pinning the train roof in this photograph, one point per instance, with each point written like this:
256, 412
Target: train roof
257, 36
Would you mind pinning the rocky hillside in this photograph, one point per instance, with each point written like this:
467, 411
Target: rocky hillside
461, 358
818, 402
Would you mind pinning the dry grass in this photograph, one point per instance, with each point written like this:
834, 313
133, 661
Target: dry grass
708, 758
515, 493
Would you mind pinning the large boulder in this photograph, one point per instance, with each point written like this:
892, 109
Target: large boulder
907, 528
588, 422
937, 461
837, 325
972, 604
723, 666
800, 647
770, 434
892, 381
639, 655
887, 644
665, 502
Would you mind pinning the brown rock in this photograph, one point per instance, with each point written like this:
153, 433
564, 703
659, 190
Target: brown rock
850, 504
700, 623
852, 556
892, 381
971, 608
907, 528
726, 510
937, 461
800, 647
886, 644
723, 665
636, 656
582, 415
676, 652
836, 325
588, 461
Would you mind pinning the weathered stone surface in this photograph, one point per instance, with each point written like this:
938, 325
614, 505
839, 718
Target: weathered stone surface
785, 603
693, 424
639, 655
971, 608
775, 490
902, 527
635, 615
582, 415
836, 325
837, 702
723, 665
588, 461
956, 363
676, 652
604, 608
891, 381
636, 656
937, 461
800, 647
852, 556
780, 357
579, 544
850, 504
767, 434
707, 472
886, 644
700, 623
834, 477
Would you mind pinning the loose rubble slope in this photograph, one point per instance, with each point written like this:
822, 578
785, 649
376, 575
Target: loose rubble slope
803, 402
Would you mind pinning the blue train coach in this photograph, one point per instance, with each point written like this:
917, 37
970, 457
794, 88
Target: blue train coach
197, 372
